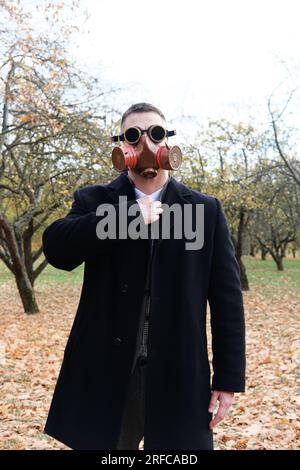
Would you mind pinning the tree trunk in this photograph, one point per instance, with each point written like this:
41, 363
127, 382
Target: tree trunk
279, 263
25, 287
243, 274
252, 250
294, 252
26, 293
27, 249
238, 244
278, 260
263, 253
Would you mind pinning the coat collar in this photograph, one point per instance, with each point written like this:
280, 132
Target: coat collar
175, 192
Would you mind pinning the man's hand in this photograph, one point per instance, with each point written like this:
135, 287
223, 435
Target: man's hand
150, 209
225, 400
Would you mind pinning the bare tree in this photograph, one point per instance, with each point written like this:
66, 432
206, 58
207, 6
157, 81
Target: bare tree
53, 139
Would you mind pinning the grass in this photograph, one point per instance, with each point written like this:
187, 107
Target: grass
49, 275
262, 275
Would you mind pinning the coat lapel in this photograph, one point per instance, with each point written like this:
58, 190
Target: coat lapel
121, 186
175, 193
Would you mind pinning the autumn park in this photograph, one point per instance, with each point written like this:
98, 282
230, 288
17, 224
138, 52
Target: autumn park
56, 122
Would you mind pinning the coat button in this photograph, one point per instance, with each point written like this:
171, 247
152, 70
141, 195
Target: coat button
124, 288
117, 341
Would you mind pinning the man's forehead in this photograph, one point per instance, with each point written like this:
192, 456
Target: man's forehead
147, 118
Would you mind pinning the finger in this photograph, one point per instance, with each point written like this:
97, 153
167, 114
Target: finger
226, 400
219, 416
154, 218
146, 215
145, 199
156, 211
213, 402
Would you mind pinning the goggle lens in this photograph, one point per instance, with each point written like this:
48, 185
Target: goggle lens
157, 133
132, 135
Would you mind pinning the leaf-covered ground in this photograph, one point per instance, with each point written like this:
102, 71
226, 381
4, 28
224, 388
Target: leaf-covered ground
267, 416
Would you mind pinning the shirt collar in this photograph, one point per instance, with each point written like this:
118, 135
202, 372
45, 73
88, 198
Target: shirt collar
155, 196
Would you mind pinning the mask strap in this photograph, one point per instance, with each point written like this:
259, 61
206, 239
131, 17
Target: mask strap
171, 133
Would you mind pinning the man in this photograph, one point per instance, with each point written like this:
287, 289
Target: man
136, 361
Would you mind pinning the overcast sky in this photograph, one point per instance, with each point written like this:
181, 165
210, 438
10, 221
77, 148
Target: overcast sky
192, 57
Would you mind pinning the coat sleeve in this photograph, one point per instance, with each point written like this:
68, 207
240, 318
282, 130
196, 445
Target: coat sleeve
71, 240
227, 312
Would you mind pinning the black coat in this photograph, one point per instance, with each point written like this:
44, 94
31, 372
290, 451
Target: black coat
89, 398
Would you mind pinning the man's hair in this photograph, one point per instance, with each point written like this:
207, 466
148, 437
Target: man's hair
141, 108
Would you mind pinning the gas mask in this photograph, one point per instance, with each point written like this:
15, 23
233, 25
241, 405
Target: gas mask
139, 154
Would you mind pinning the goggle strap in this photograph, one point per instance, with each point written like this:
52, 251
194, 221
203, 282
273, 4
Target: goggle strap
171, 133
118, 138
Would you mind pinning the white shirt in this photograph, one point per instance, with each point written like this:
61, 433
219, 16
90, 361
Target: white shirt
155, 196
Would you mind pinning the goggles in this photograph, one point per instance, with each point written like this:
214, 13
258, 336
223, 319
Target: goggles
133, 134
